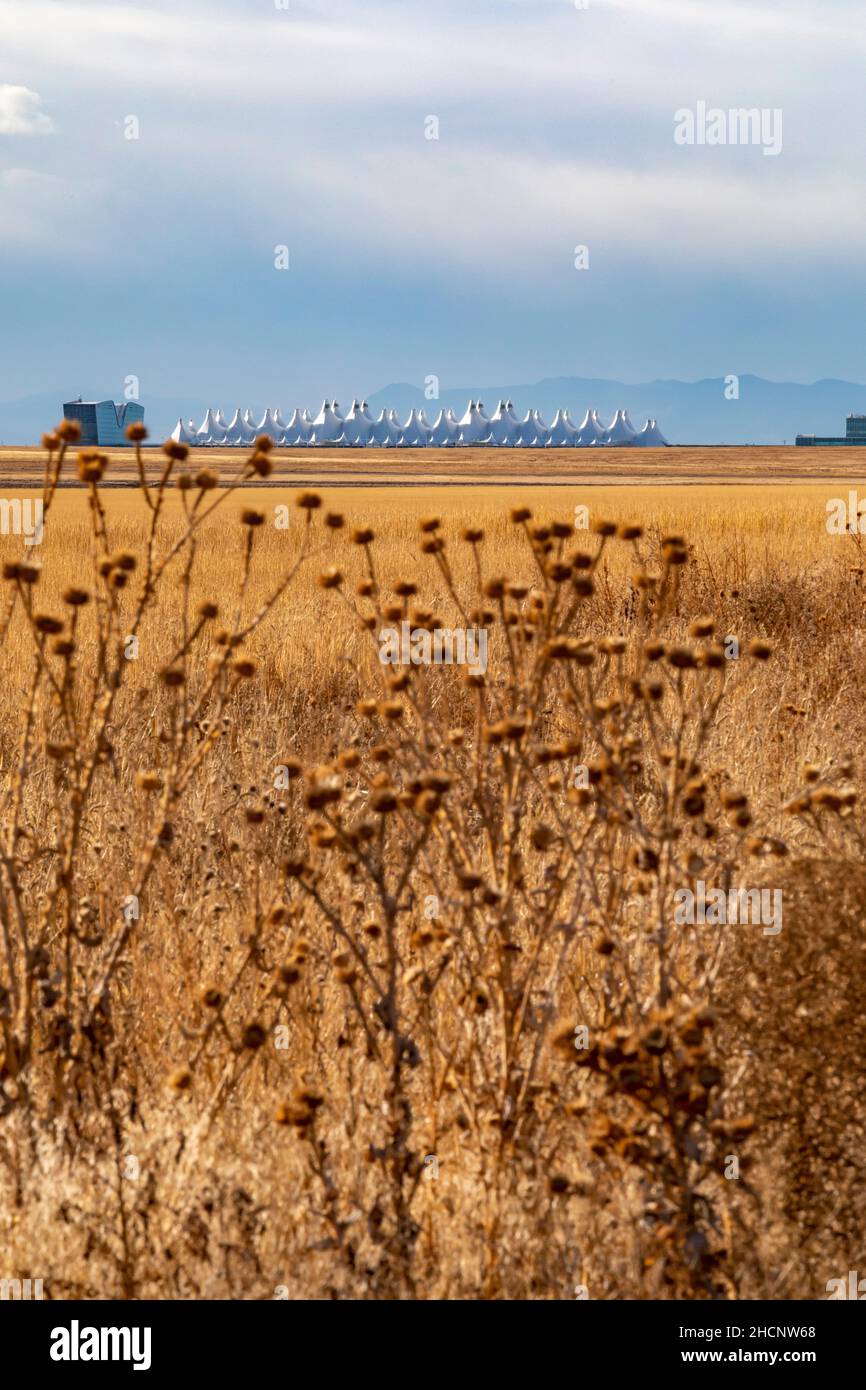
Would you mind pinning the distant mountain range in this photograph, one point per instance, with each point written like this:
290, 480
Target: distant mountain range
688, 412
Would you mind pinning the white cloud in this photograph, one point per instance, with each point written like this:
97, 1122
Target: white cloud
21, 113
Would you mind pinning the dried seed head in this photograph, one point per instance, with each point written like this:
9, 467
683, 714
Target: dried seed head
47, 623
253, 1037
681, 658
91, 465
75, 597
558, 572
288, 974
733, 800
543, 836
391, 709
123, 560
761, 651
308, 502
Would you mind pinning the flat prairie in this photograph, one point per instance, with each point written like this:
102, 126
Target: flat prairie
468, 467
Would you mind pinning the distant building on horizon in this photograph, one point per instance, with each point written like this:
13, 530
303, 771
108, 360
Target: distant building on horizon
855, 433
103, 422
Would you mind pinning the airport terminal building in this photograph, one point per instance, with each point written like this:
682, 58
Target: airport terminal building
855, 433
103, 422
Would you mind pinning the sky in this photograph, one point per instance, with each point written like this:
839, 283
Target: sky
306, 125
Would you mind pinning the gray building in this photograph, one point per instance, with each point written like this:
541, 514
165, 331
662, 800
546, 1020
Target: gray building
855, 433
103, 422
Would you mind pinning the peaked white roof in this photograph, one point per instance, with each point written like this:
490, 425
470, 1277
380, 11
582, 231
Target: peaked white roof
357, 426
268, 425
210, 431
562, 431
239, 432
651, 437
444, 430
621, 431
501, 429
415, 432
327, 426
181, 434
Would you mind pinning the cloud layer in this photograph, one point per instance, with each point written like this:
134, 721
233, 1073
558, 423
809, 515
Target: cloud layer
258, 126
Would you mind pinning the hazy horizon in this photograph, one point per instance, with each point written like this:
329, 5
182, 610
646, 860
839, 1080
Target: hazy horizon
307, 128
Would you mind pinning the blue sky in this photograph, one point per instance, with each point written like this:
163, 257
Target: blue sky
305, 127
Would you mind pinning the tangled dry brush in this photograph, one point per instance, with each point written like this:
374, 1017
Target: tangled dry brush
399, 1008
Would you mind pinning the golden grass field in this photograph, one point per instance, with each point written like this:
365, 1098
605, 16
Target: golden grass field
295, 944
474, 467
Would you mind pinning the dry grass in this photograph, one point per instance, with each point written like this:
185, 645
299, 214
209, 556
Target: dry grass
476, 467
333, 1054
